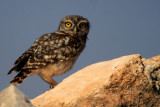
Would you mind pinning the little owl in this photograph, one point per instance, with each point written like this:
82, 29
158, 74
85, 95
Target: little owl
53, 53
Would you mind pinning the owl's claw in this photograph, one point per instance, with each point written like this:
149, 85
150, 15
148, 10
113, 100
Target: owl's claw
51, 87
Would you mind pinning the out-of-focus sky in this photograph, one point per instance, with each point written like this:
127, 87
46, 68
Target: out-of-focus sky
118, 28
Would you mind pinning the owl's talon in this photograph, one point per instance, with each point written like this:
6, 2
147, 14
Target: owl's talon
51, 87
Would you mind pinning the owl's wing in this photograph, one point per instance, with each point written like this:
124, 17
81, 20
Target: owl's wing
20, 62
23, 59
49, 48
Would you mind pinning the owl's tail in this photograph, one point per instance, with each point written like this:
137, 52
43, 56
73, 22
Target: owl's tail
20, 77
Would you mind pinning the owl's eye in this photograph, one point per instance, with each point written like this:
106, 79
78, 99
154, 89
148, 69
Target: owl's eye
68, 24
82, 25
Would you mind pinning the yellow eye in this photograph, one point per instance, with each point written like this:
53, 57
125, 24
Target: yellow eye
68, 24
82, 25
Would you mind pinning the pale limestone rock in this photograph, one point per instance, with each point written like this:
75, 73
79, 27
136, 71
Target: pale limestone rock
122, 82
13, 97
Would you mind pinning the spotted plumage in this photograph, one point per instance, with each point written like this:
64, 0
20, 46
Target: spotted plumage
53, 53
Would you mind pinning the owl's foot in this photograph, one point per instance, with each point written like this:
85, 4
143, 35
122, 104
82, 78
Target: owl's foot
49, 80
52, 86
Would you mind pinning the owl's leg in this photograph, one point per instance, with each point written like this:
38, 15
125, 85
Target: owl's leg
50, 81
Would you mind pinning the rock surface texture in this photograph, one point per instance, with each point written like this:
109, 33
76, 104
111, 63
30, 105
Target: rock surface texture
122, 82
13, 97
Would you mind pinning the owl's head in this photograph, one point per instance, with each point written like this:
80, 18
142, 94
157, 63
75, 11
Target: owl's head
74, 25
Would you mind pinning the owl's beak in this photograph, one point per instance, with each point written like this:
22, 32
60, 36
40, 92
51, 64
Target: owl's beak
75, 30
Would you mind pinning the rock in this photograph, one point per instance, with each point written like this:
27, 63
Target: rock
122, 82
13, 97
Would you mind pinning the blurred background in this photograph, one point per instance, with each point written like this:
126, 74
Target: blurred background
118, 28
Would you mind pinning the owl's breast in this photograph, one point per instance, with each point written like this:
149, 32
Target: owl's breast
57, 68
58, 58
